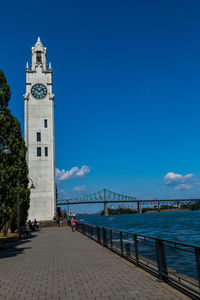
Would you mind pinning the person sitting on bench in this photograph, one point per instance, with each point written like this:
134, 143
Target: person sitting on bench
30, 226
24, 232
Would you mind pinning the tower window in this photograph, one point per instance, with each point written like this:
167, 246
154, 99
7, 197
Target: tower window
38, 137
45, 123
38, 57
46, 151
38, 151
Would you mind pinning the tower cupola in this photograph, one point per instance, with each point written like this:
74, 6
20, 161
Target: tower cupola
39, 56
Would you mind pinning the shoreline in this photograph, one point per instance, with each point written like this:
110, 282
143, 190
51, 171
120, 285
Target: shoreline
166, 210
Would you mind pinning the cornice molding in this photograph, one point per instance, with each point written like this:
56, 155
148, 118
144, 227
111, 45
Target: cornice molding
26, 96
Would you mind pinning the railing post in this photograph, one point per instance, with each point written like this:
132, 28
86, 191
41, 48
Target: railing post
98, 235
161, 259
121, 243
104, 236
111, 242
136, 249
197, 254
128, 252
92, 232
85, 229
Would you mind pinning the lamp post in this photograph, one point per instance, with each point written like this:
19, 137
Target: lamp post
3, 147
18, 204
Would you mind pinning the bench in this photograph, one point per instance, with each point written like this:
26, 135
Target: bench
24, 233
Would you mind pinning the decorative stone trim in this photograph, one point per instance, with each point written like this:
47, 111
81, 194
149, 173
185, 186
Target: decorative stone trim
51, 96
26, 96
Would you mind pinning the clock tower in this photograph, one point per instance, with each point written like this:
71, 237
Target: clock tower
39, 134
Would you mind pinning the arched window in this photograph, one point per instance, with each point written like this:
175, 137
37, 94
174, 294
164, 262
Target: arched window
38, 57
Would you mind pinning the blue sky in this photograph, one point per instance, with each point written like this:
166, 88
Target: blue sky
126, 80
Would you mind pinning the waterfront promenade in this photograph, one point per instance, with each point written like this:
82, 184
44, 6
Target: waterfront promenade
58, 264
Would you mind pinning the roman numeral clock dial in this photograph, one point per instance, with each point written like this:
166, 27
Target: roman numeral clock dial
39, 91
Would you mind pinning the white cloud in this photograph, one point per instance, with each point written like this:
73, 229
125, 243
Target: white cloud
75, 172
172, 178
182, 187
80, 189
181, 182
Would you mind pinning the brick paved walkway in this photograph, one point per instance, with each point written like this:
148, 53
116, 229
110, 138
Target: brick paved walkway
58, 264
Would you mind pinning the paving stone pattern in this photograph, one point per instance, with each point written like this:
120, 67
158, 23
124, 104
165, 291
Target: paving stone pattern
59, 264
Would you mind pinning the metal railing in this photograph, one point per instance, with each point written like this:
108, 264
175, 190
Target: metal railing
175, 263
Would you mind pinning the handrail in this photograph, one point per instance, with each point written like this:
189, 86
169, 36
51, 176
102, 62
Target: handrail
146, 236
156, 262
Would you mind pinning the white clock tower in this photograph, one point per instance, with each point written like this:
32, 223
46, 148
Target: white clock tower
39, 134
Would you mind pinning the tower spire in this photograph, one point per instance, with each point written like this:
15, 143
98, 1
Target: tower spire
39, 56
39, 43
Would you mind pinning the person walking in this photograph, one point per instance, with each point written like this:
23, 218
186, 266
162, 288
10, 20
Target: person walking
35, 224
73, 223
30, 226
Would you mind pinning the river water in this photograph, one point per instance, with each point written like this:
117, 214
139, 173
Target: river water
182, 226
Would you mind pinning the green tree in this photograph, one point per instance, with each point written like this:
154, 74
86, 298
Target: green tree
4, 90
195, 206
13, 168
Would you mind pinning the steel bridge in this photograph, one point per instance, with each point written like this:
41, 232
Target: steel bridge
106, 196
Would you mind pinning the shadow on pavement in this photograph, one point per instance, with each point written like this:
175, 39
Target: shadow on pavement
11, 249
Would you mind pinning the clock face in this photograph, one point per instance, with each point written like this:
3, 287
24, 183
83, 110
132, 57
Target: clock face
39, 91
